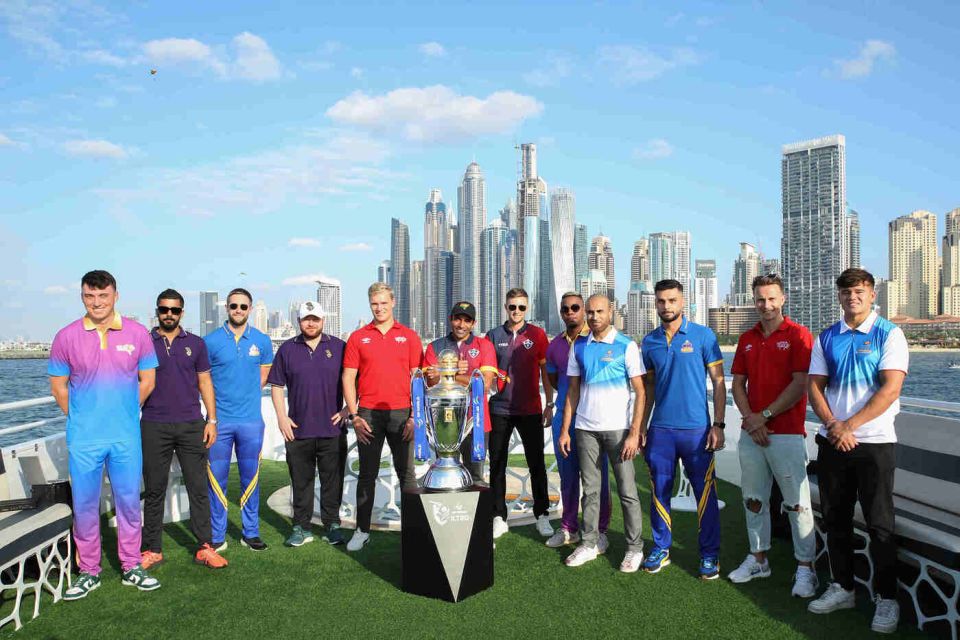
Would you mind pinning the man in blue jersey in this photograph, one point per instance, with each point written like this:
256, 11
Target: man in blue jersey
678, 356
857, 369
240, 359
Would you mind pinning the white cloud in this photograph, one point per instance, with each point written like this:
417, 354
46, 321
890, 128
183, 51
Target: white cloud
432, 49
104, 57
55, 290
557, 69
356, 72
180, 51
870, 53
5, 141
303, 242
654, 149
435, 113
308, 279
255, 61
94, 149
356, 246
106, 102
252, 60
630, 65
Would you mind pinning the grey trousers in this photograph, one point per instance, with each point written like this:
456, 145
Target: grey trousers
590, 444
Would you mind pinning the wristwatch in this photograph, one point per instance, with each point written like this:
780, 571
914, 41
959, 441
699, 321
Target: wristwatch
767, 414
209, 421
551, 405
351, 416
720, 425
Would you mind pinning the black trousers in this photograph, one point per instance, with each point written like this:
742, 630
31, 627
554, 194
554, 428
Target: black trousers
306, 459
530, 429
386, 424
160, 440
866, 474
466, 456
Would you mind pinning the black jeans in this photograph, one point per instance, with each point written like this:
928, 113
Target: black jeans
530, 429
160, 440
466, 456
308, 458
386, 424
865, 474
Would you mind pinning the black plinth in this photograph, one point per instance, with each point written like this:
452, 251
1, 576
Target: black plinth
447, 542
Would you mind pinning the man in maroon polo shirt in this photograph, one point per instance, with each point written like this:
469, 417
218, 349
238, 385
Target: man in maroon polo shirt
171, 421
377, 364
769, 389
521, 356
310, 366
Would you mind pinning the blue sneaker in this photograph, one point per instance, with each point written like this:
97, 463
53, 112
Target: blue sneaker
709, 568
656, 560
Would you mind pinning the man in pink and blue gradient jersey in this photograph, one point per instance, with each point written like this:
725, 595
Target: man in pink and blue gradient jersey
101, 370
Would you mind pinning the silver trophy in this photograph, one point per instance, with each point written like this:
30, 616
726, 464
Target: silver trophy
447, 426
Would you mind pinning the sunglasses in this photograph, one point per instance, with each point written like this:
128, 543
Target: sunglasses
165, 310
574, 308
234, 306
514, 307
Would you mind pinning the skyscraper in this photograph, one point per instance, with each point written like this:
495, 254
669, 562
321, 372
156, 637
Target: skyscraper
328, 295
547, 295
853, 239
770, 265
471, 217
384, 273
951, 264
641, 309
706, 295
436, 239
913, 266
581, 251
814, 246
745, 268
563, 208
209, 312
417, 297
400, 268
531, 200
293, 313
261, 320
594, 283
435, 223
509, 215
601, 257
640, 261
663, 257
494, 286
529, 252
682, 264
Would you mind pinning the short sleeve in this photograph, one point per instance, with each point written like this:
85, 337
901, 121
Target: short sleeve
896, 353
818, 363
416, 351
647, 360
148, 354
488, 354
429, 357
542, 344
711, 349
551, 359
739, 367
633, 361
351, 353
278, 372
59, 363
802, 347
573, 367
266, 351
203, 357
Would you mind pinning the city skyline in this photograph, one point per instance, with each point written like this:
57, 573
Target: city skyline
657, 120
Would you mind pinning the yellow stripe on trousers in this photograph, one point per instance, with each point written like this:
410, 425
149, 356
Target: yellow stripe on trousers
253, 483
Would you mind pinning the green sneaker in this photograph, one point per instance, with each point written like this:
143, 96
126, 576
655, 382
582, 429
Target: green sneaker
334, 534
84, 584
140, 579
299, 537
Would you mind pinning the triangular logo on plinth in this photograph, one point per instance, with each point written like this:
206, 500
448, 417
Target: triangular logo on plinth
451, 517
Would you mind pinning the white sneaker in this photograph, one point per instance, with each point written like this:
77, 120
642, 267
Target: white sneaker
805, 583
631, 561
359, 539
544, 526
886, 617
581, 555
500, 527
749, 569
562, 538
833, 599
603, 543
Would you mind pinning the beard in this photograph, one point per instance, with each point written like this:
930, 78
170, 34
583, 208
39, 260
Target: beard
169, 325
667, 316
234, 323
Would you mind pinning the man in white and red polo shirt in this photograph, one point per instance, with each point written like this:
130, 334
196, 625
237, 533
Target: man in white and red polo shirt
377, 364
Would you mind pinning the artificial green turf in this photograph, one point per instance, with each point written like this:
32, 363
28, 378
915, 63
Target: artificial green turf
322, 591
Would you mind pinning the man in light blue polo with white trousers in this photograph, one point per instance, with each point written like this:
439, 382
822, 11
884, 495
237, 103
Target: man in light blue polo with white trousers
601, 372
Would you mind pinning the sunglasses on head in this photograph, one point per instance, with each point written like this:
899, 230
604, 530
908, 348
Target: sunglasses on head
174, 310
573, 307
234, 306
514, 307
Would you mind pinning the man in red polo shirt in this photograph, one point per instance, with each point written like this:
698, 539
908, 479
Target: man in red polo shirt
769, 388
377, 364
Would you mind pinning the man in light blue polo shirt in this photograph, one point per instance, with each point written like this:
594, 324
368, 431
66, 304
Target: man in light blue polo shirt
240, 359
678, 355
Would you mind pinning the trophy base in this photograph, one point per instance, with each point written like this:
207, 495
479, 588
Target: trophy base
446, 474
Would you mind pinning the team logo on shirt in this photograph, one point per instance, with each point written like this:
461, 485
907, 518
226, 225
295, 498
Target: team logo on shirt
401, 339
254, 351
473, 353
528, 344
126, 348
783, 345
329, 355
749, 347
686, 347
608, 357
866, 348
188, 351
365, 340
503, 344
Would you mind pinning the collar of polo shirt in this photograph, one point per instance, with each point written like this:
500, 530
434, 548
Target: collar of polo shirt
607, 339
115, 325
864, 327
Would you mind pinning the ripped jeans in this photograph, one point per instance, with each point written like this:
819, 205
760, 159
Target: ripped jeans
784, 459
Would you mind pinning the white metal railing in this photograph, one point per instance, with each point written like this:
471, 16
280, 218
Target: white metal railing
27, 404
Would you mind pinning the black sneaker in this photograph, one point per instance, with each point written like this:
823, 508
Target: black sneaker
334, 534
254, 544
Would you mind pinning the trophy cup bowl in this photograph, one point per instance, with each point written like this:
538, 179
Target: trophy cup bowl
447, 427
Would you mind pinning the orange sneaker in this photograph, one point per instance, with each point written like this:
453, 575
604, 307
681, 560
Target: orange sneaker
208, 556
150, 559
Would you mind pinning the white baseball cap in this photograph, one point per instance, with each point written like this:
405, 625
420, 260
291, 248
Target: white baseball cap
310, 308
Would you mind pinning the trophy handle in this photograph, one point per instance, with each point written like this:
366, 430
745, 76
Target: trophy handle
421, 416
466, 427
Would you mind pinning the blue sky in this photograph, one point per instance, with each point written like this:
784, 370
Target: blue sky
279, 142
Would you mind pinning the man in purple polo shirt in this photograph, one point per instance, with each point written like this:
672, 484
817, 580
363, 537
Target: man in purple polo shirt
171, 421
310, 367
